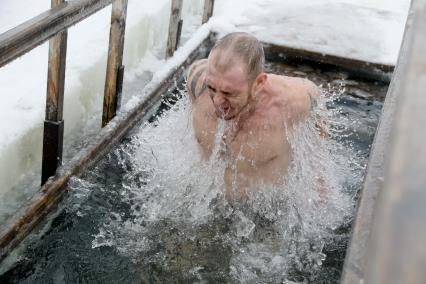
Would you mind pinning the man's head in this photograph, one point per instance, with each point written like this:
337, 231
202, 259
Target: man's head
235, 72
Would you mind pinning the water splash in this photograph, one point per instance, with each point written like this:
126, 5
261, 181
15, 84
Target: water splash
179, 217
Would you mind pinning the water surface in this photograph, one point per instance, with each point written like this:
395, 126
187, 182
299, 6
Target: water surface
152, 212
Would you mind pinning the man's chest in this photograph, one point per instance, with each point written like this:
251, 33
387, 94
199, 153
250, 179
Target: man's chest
257, 146
258, 141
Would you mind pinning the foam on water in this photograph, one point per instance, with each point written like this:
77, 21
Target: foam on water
178, 202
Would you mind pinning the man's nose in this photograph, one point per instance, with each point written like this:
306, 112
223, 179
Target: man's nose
217, 99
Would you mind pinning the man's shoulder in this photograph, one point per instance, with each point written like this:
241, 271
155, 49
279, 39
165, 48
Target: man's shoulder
290, 89
294, 84
195, 79
295, 94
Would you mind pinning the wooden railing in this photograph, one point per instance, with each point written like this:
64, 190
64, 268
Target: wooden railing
53, 24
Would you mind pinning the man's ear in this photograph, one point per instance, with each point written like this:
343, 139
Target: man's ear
259, 81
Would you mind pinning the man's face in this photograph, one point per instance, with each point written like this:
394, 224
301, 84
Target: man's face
228, 89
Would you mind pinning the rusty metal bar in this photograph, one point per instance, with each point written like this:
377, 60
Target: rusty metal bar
179, 33
30, 34
174, 26
120, 78
208, 10
112, 92
54, 124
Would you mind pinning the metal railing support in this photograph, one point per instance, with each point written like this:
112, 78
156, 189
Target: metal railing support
115, 69
175, 27
208, 10
54, 124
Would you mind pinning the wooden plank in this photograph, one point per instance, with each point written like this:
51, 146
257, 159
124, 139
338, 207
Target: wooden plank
397, 250
354, 270
30, 34
115, 60
174, 35
207, 10
54, 125
56, 76
387, 244
359, 68
23, 221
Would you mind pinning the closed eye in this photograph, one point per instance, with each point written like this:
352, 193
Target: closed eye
211, 88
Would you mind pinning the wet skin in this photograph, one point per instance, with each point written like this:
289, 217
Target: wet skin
258, 114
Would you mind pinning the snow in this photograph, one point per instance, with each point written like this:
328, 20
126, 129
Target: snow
167, 66
369, 30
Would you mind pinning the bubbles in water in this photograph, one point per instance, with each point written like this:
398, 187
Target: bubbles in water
179, 217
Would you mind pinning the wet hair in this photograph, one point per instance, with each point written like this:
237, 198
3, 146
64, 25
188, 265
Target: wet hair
242, 46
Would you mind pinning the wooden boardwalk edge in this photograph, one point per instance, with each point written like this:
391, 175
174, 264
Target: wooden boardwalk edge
359, 68
388, 240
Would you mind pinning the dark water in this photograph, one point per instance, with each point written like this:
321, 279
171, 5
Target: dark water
63, 251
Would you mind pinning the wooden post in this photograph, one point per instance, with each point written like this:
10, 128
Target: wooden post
208, 10
54, 124
115, 70
175, 27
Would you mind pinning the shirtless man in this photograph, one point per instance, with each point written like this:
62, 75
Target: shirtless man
259, 111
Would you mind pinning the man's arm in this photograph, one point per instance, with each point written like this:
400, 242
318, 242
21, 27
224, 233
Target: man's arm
203, 117
195, 83
314, 95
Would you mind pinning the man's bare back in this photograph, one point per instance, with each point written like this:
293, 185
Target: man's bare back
258, 119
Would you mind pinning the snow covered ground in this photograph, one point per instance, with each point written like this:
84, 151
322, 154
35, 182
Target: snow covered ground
369, 30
